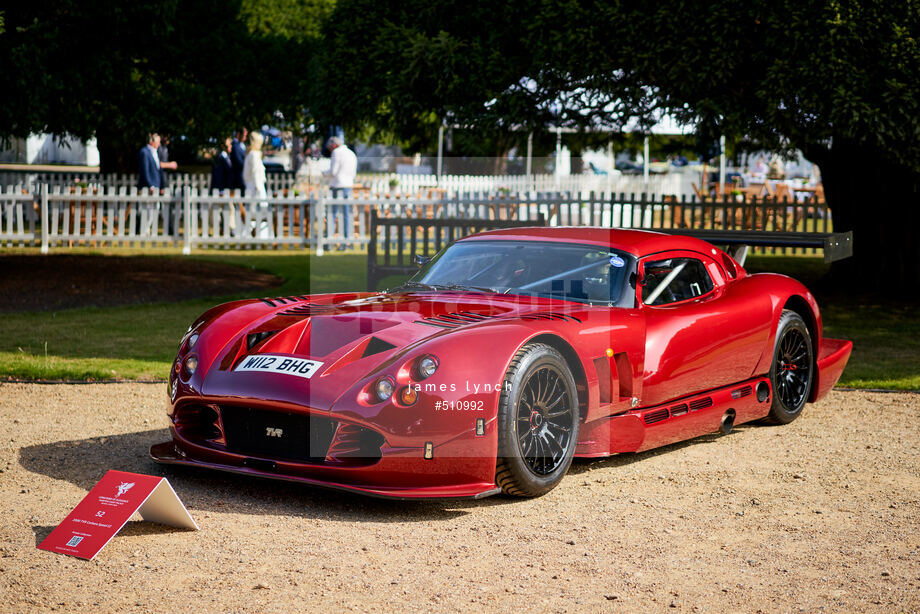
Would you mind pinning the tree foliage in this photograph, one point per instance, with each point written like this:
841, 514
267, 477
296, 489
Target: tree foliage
194, 68
838, 80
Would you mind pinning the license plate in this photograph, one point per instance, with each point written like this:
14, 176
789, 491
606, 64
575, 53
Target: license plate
275, 363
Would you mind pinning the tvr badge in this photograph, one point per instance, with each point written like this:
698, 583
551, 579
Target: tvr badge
271, 431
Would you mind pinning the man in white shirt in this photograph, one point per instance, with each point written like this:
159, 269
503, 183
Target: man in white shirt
344, 167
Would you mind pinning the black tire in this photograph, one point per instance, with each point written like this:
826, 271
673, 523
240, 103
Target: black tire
537, 422
792, 372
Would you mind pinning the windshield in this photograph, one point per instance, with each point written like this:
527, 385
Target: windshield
584, 273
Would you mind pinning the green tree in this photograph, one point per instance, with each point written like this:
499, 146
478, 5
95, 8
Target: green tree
839, 81
185, 67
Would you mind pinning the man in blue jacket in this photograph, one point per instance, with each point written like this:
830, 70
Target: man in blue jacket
149, 174
222, 170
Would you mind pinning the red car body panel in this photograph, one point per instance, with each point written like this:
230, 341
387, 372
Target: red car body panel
646, 376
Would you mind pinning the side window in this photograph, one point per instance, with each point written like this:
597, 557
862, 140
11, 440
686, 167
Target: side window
674, 280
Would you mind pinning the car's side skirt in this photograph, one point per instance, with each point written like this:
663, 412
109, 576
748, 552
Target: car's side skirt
651, 427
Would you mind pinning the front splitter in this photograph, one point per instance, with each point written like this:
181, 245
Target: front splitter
165, 453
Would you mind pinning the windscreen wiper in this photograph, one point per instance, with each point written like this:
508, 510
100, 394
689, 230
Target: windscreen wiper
413, 284
467, 287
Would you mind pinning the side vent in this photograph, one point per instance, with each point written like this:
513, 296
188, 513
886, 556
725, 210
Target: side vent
254, 339
602, 366
656, 416
551, 315
679, 410
740, 393
624, 374
699, 404
454, 319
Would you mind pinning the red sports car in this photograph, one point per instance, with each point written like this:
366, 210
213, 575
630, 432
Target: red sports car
508, 354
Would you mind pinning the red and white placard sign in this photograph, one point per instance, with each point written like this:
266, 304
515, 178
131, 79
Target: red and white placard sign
109, 505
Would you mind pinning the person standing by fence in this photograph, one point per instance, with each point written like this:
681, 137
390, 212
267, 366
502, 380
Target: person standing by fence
149, 174
165, 164
238, 159
342, 171
222, 170
254, 177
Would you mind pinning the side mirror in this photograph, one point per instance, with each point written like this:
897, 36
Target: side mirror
420, 260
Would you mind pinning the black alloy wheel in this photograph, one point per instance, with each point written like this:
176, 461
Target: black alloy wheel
538, 422
793, 370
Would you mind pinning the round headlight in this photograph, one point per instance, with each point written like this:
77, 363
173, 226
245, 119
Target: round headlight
384, 388
427, 366
192, 340
191, 363
408, 395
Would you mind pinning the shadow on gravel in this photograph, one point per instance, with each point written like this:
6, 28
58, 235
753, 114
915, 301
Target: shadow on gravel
84, 462
583, 465
134, 528
41, 532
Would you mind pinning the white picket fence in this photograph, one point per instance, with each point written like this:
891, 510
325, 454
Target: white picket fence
95, 181
378, 184
188, 218
464, 184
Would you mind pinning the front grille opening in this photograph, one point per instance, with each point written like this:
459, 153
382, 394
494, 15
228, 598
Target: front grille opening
293, 436
355, 445
198, 422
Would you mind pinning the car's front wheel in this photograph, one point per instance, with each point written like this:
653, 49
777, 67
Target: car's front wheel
537, 422
792, 372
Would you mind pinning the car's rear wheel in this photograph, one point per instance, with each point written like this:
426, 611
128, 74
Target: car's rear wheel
792, 372
537, 422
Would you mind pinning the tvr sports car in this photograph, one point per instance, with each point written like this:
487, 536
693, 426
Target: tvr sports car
509, 353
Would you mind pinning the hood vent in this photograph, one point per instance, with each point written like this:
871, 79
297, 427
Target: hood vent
307, 310
656, 416
551, 315
454, 319
375, 346
254, 339
698, 404
283, 300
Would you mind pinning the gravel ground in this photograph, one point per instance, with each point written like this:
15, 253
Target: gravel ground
819, 514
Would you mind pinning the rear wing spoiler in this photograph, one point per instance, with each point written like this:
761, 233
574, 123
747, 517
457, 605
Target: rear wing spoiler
836, 245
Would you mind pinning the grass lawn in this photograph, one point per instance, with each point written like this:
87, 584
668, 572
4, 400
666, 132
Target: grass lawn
138, 342
885, 335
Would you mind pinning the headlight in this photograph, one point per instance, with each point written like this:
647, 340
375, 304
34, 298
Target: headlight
427, 365
192, 340
191, 363
384, 388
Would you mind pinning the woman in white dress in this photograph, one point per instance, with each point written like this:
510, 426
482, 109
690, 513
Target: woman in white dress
254, 178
